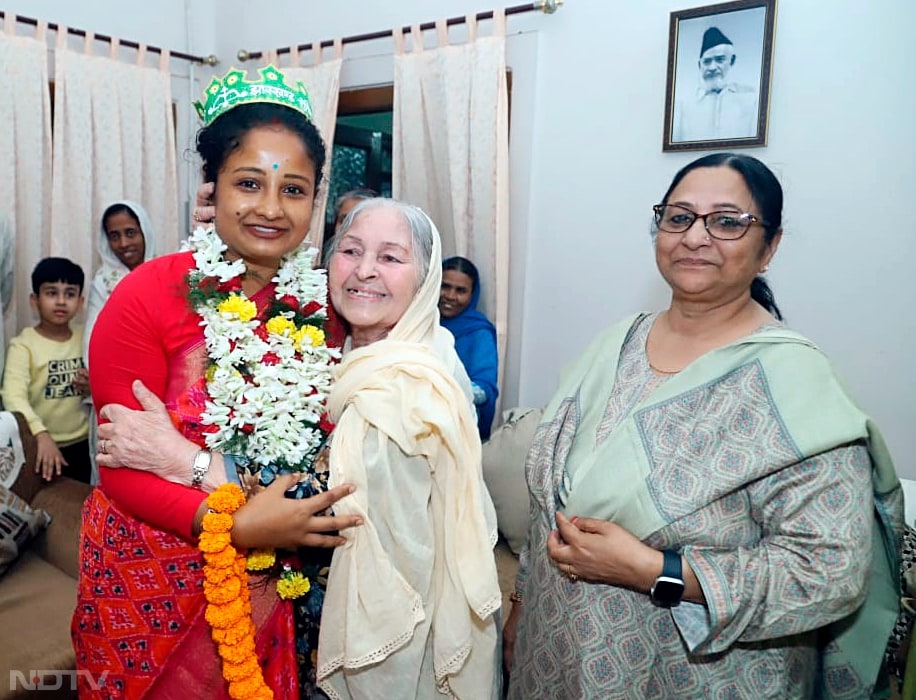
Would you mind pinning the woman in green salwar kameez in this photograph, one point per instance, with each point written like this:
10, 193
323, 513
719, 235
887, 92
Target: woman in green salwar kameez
712, 514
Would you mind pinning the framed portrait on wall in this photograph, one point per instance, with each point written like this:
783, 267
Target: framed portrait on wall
719, 67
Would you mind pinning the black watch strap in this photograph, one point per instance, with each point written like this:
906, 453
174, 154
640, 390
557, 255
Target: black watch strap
672, 568
669, 586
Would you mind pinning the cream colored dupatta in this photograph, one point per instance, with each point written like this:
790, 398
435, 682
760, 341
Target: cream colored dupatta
403, 393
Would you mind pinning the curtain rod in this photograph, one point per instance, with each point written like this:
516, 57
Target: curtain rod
210, 60
545, 6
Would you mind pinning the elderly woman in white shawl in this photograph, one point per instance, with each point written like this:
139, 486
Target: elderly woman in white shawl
412, 598
412, 595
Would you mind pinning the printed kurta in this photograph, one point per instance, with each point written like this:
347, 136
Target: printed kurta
781, 538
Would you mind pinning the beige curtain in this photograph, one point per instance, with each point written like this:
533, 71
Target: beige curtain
114, 138
322, 80
25, 169
451, 150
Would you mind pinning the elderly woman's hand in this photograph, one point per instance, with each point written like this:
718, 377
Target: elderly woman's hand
204, 211
597, 550
270, 519
145, 439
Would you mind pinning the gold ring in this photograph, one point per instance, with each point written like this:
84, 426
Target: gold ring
103, 447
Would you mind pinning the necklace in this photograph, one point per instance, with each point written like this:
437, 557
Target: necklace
270, 371
662, 371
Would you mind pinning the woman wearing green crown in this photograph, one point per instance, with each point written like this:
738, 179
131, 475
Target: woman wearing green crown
231, 336
411, 599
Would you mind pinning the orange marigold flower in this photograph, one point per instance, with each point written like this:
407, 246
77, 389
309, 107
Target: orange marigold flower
217, 522
217, 574
239, 652
228, 498
250, 689
213, 541
223, 616
224, 592
234, 634
237, 672
241, 567
222, 560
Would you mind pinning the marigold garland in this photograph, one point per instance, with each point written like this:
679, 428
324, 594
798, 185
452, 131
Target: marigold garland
228, 599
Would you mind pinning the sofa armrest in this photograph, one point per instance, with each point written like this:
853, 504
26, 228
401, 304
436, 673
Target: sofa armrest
63, 500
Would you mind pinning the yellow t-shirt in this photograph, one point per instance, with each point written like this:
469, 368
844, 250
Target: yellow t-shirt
38, 383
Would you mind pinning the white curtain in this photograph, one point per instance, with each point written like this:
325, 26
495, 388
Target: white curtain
25, 169
114, 138
322, 80
451, 150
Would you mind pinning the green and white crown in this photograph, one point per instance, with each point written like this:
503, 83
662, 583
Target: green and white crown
235, 89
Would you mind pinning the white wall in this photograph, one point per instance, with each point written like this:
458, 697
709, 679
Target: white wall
587, 165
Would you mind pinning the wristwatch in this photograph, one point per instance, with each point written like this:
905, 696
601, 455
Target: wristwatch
200, 467
669, 586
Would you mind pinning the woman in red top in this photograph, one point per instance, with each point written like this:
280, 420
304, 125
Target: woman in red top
140, 610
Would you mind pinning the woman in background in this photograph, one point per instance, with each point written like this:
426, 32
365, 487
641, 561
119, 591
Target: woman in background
475, 336
345, 203
125, 240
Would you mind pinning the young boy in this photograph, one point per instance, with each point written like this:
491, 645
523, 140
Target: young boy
45, 378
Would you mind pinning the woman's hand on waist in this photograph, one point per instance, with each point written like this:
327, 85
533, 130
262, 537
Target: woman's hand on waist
270, 519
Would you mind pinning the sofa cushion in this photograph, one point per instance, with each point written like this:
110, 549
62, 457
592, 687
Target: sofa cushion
19, 523
504, 472
36, 605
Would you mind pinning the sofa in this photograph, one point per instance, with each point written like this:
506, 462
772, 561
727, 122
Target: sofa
38, 590
504, 474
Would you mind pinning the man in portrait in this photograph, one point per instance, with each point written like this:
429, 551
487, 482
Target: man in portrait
720, 108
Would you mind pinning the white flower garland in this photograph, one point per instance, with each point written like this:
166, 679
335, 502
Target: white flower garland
267, 387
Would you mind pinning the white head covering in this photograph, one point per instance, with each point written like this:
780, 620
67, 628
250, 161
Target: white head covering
113, 270
112, 267
407, 389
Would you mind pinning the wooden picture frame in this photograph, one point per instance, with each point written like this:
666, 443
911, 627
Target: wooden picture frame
719, 69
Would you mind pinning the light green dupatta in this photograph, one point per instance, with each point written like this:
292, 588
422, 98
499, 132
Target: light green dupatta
786, 395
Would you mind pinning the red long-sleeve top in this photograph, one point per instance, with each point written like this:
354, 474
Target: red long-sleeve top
142, 332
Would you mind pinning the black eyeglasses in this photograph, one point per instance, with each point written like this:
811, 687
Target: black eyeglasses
724, 225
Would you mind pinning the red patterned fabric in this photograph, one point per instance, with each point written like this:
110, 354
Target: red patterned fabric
140, 615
